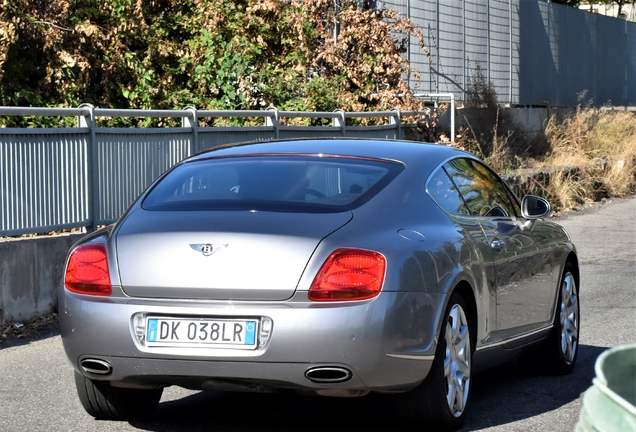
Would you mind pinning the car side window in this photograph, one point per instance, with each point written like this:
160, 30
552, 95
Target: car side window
482, 190
444, 192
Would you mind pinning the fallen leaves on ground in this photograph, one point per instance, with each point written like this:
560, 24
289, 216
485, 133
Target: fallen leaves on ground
15, 330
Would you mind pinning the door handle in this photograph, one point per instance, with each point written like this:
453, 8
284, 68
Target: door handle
497, 245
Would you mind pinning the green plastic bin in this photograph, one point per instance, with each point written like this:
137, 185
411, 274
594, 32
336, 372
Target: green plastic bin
610, 404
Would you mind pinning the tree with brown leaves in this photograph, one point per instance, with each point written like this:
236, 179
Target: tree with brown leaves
213, 54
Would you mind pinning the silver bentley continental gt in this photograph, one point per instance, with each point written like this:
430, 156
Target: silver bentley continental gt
333, 267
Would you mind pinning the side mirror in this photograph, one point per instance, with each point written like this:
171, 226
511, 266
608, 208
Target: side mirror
534, 207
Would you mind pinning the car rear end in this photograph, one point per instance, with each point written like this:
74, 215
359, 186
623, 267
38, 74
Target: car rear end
219, 277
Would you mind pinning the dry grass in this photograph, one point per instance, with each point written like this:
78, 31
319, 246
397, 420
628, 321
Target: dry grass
592, 155
600, 142
566, 191
496, 148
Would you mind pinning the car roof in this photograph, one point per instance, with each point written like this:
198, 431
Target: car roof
402, 151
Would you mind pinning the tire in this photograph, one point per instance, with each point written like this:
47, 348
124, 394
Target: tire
562, 347
105, 402
439, 403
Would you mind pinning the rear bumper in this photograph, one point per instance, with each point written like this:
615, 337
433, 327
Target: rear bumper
234, 376
386, 343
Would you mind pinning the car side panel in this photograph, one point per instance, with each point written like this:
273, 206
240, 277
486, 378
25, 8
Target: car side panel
437, 253
527, 269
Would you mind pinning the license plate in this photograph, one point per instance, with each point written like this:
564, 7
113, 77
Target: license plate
200, 332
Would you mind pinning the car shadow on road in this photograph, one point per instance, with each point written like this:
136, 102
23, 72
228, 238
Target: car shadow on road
509, 393
500, 396
280, 412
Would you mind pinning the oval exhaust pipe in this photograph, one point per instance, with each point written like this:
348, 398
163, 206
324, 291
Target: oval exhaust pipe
96, 366
328, 374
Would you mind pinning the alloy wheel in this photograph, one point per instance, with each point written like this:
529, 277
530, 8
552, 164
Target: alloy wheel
457, 360
569, 318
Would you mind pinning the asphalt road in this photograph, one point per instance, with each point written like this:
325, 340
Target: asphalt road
37, 391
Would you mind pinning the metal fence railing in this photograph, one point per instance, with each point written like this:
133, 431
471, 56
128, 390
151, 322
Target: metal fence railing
61, 178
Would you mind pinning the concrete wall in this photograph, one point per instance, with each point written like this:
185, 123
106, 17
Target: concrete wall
531, 121
30, 270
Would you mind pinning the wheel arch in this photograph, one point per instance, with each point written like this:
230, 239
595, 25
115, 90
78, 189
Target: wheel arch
573, 259
464, 289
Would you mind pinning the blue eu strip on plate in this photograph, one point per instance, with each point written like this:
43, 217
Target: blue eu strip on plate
250, 332
152, 330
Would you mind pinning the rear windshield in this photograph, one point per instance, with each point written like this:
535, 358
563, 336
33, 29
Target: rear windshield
272, 183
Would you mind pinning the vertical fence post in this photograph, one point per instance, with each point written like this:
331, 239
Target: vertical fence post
408, 46
626, 85
273, 121
340, 122
488, 42
92, 165
396, 119
452, 116
438, 50
510, 52
192, 122
464, 51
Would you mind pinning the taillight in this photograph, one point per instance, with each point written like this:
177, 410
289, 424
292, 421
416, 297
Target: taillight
349, 274
87, 270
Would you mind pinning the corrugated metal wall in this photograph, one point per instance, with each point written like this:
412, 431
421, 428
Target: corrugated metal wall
500, 52
129, 160
374, 132
534, 52
476, 26
216, 137
43, 180
65, 178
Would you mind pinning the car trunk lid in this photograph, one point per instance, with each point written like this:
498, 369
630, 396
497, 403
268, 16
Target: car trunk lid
228, 255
